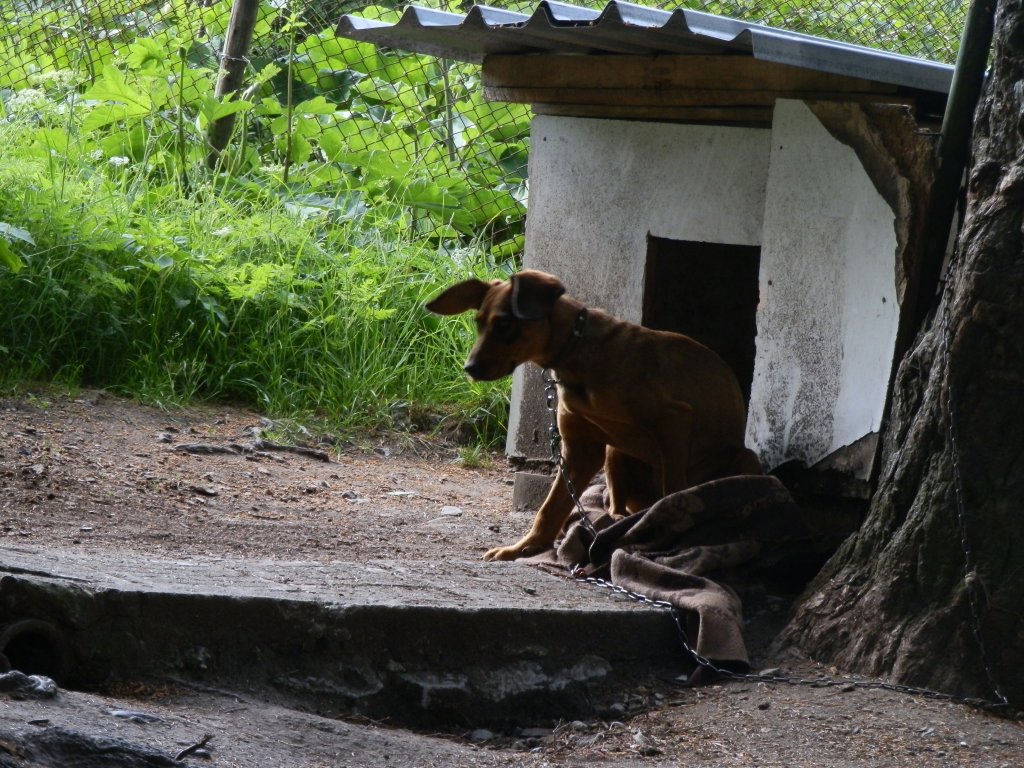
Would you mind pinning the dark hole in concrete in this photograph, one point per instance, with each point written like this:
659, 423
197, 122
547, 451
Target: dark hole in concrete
708, 291
34, 647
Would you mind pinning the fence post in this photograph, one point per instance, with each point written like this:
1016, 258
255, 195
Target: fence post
232, 67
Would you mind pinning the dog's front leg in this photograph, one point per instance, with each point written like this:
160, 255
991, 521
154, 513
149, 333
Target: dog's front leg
581, 460
674, 445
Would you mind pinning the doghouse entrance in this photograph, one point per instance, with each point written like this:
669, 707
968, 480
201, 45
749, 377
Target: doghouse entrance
708, 291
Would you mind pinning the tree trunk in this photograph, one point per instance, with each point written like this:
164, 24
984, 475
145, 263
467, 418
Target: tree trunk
244, 14
947, 519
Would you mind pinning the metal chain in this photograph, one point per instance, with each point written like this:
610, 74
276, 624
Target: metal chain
555, 442
811, 682
555, 438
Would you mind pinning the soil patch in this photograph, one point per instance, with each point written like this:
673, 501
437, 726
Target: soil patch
100, 475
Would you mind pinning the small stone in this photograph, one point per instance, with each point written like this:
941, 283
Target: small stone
644, 745
534, 733
142, 718
450, 511
764, 705
481, 734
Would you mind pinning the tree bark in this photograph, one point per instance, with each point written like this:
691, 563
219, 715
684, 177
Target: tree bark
895, 601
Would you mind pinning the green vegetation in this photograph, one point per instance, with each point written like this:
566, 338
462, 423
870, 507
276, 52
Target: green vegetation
290, 277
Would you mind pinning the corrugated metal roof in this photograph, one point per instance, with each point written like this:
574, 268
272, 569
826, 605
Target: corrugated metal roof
625, 28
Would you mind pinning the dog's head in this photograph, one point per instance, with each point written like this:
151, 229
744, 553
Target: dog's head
512, 320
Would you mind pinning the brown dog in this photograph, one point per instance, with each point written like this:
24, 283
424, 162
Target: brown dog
628, 397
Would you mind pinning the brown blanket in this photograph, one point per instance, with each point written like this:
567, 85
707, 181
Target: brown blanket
686, 549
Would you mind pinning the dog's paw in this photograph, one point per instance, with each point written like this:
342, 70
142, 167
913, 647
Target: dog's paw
524, 548
503, 553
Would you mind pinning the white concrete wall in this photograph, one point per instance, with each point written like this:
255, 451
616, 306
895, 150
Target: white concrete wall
828, 313
598, 187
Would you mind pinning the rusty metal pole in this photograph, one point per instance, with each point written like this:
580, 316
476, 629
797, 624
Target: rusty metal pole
232, 69
954, 148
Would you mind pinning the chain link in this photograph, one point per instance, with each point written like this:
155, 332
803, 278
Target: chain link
555, 441
755, 677
577, 573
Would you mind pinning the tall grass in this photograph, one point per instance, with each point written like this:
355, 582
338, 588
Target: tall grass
118, 277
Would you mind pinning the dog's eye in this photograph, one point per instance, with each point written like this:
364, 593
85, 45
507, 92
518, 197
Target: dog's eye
505, 329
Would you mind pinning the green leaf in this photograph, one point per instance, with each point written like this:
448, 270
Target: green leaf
297, 146
192, 85
9, 258
112, 86
14, 233
268, 73
328, 51
104, 115
269, 106
316, 106
214, 109
147, 55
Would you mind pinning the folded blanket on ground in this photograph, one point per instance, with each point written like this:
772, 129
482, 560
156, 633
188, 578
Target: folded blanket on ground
685, 549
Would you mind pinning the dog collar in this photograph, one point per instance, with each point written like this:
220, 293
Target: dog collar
579, 328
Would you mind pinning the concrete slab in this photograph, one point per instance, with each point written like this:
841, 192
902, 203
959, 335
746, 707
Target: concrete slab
416, 642
465, 584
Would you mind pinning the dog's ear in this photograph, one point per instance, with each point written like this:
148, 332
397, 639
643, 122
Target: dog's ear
461, 297
534, 294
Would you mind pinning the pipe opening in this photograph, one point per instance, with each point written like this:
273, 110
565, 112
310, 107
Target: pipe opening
34, 647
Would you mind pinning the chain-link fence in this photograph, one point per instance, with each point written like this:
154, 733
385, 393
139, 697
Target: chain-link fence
324, 113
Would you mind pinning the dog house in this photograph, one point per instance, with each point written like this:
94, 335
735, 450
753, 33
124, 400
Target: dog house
759, 190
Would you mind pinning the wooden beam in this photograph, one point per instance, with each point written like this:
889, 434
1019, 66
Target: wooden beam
751, 116
675, 97
668, 72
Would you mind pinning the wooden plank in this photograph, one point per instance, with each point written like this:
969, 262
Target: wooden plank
675, 97
711, 72
754, 116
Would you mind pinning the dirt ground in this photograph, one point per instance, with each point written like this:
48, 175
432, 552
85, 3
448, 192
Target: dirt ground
93, 473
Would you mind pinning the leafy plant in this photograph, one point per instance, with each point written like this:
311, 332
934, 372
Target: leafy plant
291, 274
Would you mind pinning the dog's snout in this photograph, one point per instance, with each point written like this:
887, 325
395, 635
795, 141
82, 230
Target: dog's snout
485, 369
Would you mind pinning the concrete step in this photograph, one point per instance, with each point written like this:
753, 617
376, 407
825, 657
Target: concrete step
417, 643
